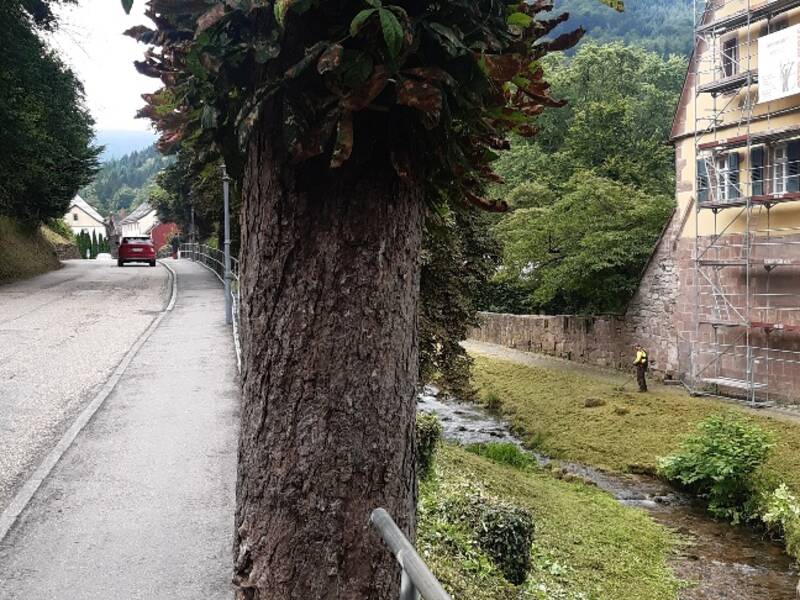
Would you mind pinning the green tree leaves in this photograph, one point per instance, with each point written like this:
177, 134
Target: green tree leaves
584, 252
392, 31
46, 131
593, 191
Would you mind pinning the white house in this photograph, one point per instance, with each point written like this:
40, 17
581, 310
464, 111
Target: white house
140, 222
82, 217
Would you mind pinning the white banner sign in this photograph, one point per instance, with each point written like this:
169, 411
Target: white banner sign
778, 55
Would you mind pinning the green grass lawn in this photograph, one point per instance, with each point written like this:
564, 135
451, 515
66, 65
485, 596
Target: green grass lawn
586, 547
626, 432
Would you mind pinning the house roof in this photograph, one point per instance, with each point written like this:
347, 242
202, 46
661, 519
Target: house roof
87, 208
139, 212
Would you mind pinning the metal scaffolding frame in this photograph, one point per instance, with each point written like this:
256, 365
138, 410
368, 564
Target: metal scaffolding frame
736, 313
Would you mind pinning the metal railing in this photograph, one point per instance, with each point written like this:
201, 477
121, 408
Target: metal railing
416, 579
214, 260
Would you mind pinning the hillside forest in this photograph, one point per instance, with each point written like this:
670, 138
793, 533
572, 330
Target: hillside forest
126, 182
663, 26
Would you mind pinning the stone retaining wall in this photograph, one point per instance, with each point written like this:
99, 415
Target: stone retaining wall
595, 340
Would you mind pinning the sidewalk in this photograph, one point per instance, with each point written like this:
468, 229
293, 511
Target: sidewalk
141, 505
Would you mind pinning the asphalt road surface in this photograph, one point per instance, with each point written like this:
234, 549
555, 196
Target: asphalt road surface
141, 505
61, 336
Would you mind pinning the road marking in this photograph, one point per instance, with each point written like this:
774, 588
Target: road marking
23, 497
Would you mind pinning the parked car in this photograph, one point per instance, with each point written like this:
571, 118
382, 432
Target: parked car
136, 249
104, 256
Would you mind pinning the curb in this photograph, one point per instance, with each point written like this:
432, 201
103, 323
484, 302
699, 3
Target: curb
23, 497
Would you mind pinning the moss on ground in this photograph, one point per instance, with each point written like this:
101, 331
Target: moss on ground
626, 433
24, 251
586, 545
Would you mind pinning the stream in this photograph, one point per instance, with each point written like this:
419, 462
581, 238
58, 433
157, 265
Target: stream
726, 562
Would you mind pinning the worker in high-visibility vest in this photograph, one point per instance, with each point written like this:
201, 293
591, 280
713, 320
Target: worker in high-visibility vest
640, 362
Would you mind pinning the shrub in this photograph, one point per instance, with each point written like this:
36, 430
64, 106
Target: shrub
61, 228
718, 463
429, 430
503, 452
780, 507
492, 402
502, 530
779, 510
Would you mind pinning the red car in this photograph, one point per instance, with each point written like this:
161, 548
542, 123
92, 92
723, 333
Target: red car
136, 249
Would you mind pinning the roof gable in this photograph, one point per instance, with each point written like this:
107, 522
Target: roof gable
79, 202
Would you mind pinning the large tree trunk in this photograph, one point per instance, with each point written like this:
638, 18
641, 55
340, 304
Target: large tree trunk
330, 281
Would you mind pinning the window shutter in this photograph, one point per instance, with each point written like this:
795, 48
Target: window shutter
793, 166
701, 183
733, 175
757, 171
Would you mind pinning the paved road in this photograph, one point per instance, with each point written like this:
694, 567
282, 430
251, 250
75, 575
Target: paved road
141, 505
61, 335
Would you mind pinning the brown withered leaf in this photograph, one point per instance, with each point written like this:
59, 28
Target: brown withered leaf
209, 18
421, 95
344, 140
563, 42
311, 55
431, 74
140, 33
547, 25
330, 59
147, 68
484, 204
362, 97
504, 67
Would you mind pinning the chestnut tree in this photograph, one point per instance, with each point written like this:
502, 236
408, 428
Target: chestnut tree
344, 121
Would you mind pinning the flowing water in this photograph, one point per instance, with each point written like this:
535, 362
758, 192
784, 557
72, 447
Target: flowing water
725, 562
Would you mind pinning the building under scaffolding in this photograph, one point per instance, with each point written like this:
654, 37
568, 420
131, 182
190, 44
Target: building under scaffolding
744, 334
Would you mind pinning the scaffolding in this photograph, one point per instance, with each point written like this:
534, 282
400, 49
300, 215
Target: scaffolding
744, 306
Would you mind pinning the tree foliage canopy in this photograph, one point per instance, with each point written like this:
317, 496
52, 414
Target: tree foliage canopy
450, 80
46, 153
585, 252
592, 192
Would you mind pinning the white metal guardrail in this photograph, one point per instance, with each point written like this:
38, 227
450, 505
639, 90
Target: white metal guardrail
417, 581
213, 259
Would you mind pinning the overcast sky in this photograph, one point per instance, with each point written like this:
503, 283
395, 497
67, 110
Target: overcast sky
90, 40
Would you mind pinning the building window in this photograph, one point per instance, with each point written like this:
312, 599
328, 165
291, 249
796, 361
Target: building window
74, 216
723, 178
730, 57
780, 169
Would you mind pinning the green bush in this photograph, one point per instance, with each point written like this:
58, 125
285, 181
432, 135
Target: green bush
429, 430
61, 228
492, 402
503, 452
779, 510
718, 463
502, 530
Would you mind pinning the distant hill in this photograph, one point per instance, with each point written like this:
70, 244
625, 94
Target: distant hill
119, 143
124, 183
663, 26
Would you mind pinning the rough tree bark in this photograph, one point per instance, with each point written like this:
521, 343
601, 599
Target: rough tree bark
330, 276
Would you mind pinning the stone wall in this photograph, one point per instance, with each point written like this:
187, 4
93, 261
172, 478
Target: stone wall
596, 340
